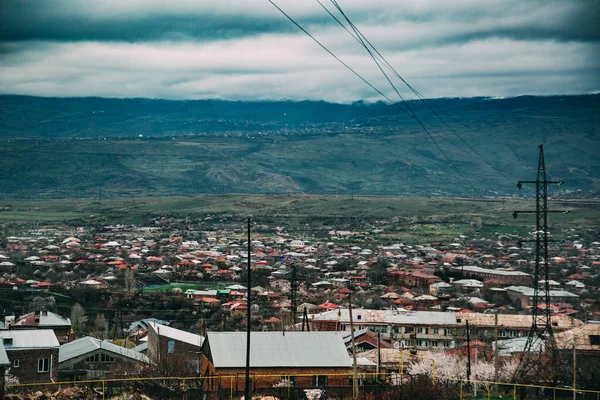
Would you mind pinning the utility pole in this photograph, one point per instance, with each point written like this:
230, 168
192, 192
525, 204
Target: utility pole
468, 353
248, 319
378, 354
574, 369
354, 367
305, 320
294, 284
496, 349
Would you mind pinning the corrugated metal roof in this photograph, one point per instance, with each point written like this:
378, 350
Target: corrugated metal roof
30, 339
515, 321
89, 344
388, 317
46, 319
177, 334
276, 349
4, 361
517, 345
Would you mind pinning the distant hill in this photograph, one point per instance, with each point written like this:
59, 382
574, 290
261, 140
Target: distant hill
73, 147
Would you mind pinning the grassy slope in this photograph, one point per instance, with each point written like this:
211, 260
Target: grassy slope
432, 218
373, 153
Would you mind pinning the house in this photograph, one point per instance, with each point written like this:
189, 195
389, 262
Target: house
33, 354
174, 350
585, 339
501, 275
415, 278
302, 358
44, 320
365, 340
468, 284
4, 366
281, 285
524, 296
91, 358
419, 329
439, 288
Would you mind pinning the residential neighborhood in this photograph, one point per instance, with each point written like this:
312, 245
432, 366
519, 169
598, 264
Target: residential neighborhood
125, 300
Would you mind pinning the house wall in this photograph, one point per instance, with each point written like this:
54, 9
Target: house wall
182, 352
267, 377
78, 368
27, 371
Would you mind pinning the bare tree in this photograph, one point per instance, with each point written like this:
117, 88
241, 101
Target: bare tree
78, 317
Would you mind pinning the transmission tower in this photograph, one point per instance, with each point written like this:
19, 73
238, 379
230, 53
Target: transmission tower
541, 324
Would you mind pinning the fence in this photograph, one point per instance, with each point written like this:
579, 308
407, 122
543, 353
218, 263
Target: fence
371, 387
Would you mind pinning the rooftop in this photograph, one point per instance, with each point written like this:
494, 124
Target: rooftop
279, 349
177, 334
89, 344
388, 317
29, 339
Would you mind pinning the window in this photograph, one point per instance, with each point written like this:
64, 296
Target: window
419, 330
320, 380
16, 363
436, 331
171, 346
595, 340
409, 329
43, 365
100, 357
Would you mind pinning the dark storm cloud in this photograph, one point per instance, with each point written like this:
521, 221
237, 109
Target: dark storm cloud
245, 49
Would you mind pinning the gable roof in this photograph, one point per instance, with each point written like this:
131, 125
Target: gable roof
27, 339
45, 319
177, 334
89, 344
4, 361
279, 349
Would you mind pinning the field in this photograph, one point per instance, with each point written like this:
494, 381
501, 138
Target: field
406, 218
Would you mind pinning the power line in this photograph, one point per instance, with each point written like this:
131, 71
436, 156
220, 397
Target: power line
361, 39
409, 113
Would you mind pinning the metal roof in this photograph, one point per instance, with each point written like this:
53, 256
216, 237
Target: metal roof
4, 361
384, 317
529, 291
141, 347
89, 344
45, 319
29, 339
177, 334
473, 268
279, 349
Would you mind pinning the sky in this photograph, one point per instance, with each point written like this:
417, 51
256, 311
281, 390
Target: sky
248, 50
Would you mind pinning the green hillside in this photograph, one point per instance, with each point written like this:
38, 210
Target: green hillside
53, 148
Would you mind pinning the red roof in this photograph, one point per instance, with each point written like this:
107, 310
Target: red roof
328, 305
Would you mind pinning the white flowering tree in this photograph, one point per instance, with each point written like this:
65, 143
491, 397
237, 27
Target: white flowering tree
455, 367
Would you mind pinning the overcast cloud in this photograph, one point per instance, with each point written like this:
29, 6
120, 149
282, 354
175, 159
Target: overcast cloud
246, 49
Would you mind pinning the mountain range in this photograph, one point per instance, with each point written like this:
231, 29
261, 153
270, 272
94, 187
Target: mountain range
77, 147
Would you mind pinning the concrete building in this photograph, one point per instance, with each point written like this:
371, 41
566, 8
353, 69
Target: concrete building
524, 296
504, 276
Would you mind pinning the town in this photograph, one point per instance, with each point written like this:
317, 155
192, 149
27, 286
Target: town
169, 298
